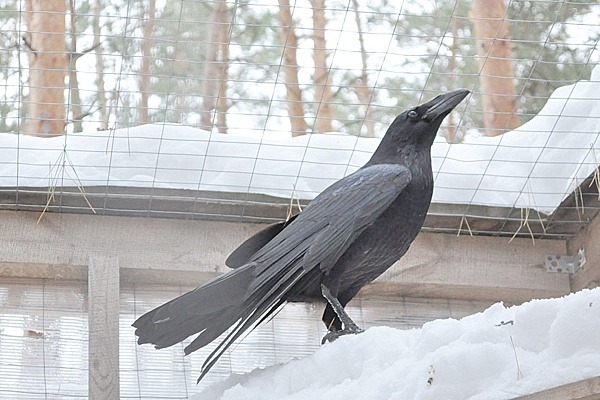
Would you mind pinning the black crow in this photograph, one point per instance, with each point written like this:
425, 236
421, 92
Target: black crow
345, 238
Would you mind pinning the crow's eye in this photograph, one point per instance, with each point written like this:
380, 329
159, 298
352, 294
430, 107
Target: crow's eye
413, 114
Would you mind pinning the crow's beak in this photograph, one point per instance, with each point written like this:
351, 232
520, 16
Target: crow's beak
443, 104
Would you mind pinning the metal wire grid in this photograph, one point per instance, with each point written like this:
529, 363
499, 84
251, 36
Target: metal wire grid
43, 342
257, 101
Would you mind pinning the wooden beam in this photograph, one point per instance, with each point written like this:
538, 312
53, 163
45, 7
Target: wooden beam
589, 240
138, 243
474, 268
166, 251
257, 208
587, 389
103, 317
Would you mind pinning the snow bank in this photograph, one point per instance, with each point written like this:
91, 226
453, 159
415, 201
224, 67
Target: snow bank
536, 165
556, 341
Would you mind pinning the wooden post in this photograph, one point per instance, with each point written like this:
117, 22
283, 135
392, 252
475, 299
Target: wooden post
103, 322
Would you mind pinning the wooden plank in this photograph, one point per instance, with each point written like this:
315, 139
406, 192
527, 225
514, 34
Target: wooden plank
257, 208
142, 243
588, 389
165, 251
150, 202
103, 316
588, 239
474, 268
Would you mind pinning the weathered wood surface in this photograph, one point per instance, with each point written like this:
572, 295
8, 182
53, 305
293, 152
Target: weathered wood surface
589, 240
165, 251
103, 317
588, 389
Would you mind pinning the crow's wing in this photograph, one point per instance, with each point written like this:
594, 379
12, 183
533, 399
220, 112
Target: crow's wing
242, 254
332, 221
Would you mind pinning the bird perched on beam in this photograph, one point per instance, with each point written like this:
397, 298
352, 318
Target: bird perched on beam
345, 238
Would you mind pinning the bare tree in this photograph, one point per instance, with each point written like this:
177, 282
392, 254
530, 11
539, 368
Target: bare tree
496, 66
323, 93
215, 68
451, 132
74, 94
364, 91
102, 109
149, 23
75, 104
289, 41
48, 65
222, 103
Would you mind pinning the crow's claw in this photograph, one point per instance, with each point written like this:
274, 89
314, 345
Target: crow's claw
332, 335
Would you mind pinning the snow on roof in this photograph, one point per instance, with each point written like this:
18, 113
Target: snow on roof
500, 353
536, 165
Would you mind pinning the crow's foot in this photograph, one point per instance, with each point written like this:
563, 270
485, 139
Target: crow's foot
350, 326
332, 335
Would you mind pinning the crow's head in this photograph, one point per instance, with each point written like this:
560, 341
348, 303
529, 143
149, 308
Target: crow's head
417, 127
422, 122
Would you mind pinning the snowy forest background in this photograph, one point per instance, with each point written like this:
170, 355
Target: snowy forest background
278, 67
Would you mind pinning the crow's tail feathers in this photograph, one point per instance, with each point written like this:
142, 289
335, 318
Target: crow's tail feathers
230, 300
209, 309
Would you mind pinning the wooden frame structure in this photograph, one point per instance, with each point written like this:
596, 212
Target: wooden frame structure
109, 251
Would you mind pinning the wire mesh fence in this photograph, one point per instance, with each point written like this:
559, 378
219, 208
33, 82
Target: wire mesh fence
244, 110
231, 109
43, 341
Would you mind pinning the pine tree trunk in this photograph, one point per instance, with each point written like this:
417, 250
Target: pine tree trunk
75, 98
364, 92
48, 65
102, 109
74, 94
147, 61
323, 94
222, 104
451, 135
496, 74
215, 65
289, 41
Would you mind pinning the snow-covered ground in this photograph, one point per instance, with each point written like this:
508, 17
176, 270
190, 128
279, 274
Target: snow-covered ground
500, 353
537, 165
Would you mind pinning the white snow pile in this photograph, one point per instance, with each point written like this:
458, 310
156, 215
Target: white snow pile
500, 353
535, 166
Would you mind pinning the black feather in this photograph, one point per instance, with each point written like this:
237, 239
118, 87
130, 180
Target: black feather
242, 254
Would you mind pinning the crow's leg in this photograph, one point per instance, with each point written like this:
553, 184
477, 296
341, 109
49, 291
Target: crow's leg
349, 325
330, 319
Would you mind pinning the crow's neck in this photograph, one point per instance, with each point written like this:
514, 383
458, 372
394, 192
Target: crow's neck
416, 159
408, 155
